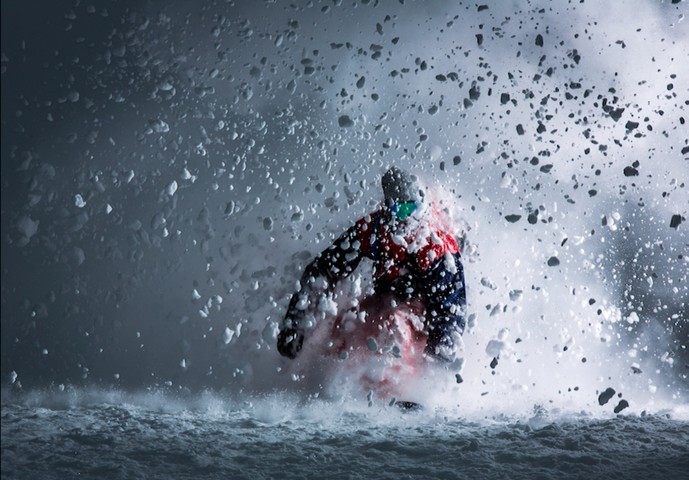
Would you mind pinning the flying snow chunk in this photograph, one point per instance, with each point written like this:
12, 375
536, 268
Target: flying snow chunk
605, 397
676, 220
27, 228
78, 256
399, 240
158, 221
495, 348
171, 188
630, 172
79, 201
227, 335
327, 306
516, 295
621, 406
345, 121
159, 126
270, 332
436, 152
13, 376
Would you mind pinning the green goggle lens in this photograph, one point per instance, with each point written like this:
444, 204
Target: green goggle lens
402, 210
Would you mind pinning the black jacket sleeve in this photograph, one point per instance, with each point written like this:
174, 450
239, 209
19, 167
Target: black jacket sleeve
320, 277
444, 294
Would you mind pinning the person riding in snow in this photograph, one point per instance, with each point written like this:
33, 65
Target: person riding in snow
414, 258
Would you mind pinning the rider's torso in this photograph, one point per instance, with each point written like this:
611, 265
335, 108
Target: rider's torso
401, 257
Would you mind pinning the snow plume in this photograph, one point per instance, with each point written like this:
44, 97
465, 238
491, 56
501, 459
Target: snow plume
162, 195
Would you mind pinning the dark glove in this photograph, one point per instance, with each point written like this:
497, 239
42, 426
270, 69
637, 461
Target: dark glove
290, 341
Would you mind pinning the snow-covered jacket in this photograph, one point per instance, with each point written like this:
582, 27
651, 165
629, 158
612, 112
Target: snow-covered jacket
412, 260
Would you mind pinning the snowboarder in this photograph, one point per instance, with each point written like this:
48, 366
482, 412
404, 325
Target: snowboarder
414, 259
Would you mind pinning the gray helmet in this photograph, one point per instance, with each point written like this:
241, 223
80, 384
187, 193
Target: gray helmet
400, 186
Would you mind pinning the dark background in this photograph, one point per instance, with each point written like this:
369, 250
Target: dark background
274, 121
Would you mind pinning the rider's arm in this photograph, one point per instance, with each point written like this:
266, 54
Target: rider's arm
319, 278
444, 293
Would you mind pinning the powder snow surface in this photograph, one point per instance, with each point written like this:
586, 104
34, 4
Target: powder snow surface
111, 435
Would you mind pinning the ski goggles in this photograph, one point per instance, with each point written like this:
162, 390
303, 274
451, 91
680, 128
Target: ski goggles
402, 210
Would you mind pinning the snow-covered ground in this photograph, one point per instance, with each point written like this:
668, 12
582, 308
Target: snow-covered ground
113, 435
168, 168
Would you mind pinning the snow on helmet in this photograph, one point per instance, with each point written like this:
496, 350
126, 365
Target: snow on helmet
399, 186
